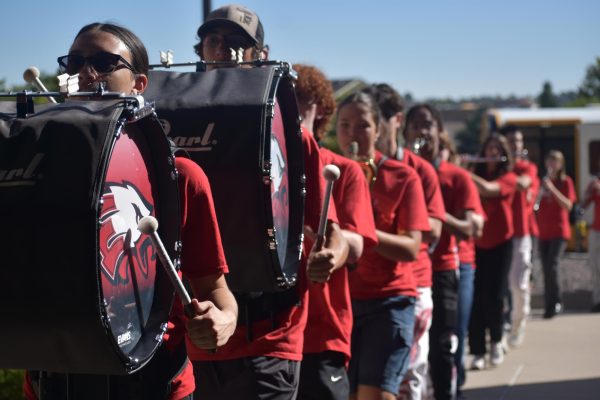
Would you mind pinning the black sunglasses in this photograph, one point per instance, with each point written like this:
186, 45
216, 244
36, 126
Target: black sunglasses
102, 62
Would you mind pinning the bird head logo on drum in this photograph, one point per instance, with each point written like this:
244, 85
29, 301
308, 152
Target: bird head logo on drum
123, 207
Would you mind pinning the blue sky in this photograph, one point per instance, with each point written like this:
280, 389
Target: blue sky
431, 48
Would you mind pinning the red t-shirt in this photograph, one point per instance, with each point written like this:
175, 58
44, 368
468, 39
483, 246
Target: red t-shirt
596, 200
466, 251
459, 194
553, 219
522, 206
398, 205
329, 324
498, 210
202, 255
287, 339
435, 209
534, 230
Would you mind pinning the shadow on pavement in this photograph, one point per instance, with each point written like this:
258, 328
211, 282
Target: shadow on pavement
584, 389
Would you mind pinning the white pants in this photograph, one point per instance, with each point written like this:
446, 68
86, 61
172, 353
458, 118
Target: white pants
414, 384
594, 252
519, 276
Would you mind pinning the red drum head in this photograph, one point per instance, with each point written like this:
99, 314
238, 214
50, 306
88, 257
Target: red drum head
279, 185
127, 257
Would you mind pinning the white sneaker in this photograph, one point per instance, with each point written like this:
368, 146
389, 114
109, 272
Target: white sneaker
516, 339
496, 354
478, 363
504, 342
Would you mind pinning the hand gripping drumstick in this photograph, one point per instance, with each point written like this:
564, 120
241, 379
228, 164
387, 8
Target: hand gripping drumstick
331, 173
149, 226
32, 75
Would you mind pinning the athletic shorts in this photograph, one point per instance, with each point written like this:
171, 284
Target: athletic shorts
381, 340
323, 376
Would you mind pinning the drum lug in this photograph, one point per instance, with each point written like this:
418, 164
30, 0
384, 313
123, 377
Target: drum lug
105, 318
270, 108
174, 175
178, 246
159, 336
271, 242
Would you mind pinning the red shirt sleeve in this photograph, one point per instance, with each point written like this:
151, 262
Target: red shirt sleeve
202, 252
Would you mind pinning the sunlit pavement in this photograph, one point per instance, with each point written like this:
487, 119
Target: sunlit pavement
559, 359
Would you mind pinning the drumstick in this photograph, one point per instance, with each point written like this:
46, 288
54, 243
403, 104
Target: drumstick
32, 75
149, 226
331, 173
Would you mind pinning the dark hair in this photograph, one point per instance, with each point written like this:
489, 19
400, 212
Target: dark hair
366, 99
502, 166
313, 87
413, 112
139, 55
389, 100
509, 129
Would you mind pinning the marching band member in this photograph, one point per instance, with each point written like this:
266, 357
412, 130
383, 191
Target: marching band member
383, 287
592, 195
496, 184
520, 268
555, 201
466, 265
460, 200
103, 52
391, 104
268, 365
329, 328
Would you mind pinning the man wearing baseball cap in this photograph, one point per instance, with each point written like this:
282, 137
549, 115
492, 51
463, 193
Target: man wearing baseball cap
228, 29
262, 358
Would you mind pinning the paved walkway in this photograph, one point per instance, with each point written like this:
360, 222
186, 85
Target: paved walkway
560, 359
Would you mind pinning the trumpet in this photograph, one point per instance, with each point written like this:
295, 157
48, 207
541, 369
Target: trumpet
541, 194
474, 159
366, 164
418, 145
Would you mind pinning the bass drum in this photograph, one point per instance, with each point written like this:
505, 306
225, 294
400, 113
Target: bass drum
81, 289
241, 125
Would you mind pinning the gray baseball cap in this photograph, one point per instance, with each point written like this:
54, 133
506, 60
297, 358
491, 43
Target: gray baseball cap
235, 15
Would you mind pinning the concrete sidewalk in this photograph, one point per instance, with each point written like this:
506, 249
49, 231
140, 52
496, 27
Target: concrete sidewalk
560, 359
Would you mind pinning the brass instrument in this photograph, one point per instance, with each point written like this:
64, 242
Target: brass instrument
366, 164
418, 145
473, 159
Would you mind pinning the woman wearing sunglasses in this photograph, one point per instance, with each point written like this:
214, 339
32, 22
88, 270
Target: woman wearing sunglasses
114, 55
107, 53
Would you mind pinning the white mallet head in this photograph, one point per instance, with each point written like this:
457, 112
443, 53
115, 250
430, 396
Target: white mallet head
331, 172
31, 74
148, 225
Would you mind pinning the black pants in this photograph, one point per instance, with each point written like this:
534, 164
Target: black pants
442, 335
249, 378
323, 377
551, 251
491, 281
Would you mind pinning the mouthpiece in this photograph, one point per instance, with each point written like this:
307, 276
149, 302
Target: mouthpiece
30, 74
148, 225
353, 150
331, 172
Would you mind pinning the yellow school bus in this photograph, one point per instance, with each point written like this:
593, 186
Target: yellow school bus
573, 131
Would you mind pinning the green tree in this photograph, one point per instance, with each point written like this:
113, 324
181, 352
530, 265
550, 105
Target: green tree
11, 383
547, 99
590, 87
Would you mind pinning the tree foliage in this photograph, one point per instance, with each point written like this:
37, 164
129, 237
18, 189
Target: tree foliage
11, 384
590, 87
547, 98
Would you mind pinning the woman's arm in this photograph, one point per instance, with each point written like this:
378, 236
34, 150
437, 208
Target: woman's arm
398, 247
562, 200
486, 188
